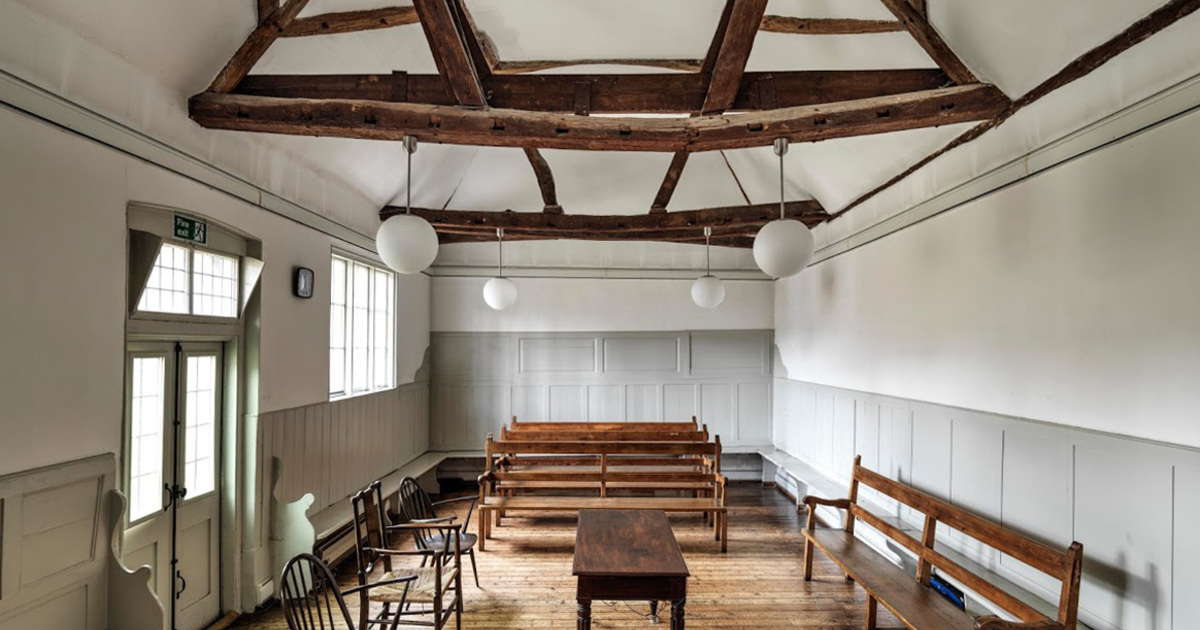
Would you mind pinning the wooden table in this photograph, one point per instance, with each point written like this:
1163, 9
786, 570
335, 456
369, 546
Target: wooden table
628, 555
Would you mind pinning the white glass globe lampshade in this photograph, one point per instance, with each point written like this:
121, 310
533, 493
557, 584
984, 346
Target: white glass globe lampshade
407, 243
500, 293
783, 248
708, 291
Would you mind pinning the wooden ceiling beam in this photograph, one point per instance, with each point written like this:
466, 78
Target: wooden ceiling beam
347, 118
537, 65
726, 219
450, 53
929, 39
265, 8
255, 46
545, 180
669, 183
827, 26
740, 242
607, 93
351, 22
1082, 66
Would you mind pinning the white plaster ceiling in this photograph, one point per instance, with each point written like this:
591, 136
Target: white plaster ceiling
179, 46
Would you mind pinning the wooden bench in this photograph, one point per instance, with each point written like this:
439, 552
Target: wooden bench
515, 466
605, 431
909, 596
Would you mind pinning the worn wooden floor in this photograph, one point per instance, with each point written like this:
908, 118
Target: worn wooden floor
527, 582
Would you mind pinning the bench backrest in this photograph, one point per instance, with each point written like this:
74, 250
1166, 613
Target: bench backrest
602, 450
1065, 566
602, 435
604, 426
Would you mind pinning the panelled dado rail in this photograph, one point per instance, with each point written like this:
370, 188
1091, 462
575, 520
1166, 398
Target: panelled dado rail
521, 467
911, 600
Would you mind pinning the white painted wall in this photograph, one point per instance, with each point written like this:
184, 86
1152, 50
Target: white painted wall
1070, 298
601, 305
62, 286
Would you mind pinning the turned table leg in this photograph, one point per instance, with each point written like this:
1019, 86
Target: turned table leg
585, 614
677, 614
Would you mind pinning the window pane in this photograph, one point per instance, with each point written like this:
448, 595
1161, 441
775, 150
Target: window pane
167, 289
382, 325
146, 437
200, 461
337, 327
214, 285
360, 331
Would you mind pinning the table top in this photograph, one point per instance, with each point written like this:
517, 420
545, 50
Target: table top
627, 543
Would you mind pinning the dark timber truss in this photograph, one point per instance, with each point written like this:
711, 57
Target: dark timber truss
478, 99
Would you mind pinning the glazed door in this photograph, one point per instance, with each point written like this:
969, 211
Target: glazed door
172, 455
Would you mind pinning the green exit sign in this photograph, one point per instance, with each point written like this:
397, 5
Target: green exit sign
192, 230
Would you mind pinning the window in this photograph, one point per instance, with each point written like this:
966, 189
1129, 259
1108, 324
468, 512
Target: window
362, 324
191, 281
199, 461
146, 436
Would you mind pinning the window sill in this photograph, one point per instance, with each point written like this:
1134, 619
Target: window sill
337, 397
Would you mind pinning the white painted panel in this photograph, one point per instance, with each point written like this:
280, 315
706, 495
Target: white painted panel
843, 434
488, 410
679, 403
807, 424
977, 455
557, 354
67, 611
823, 438
568, 403
531, 403
1127, 542
932, 427
866, 433
1186, 607
716, 410
730, 353
1037, 492
641, 354
605, 403
642, 404
753, 410
463, 356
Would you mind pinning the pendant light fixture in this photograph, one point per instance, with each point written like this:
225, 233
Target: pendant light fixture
708, 291
500, 292
405, 242
783, 247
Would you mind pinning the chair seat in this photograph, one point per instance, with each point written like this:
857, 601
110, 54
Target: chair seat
420, 591
438, 542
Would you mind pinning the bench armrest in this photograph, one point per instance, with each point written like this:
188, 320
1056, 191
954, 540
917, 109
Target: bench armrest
812, 502
992, 622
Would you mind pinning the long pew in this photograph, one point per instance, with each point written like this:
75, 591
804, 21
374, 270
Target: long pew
562, 465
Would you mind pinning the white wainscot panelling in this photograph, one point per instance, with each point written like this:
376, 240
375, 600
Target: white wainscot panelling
731, 353
642, 354
931, 450
753, 413
333, 449
605, 403
1037, 490
568, 403
822, 438
977, 453
1186, 609
531, 403
679, 402
459, 356
642, 403
717, 409
843, 435
556, 355
1121, 498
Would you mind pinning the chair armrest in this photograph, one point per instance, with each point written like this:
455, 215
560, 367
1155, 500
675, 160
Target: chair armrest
391, 582
426, 525
400, 552
812, 502
992, 622
458, 500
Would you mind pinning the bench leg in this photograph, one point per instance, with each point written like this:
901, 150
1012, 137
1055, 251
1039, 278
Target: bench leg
716, 525
809, 549
872, 612
724, 531
483, 520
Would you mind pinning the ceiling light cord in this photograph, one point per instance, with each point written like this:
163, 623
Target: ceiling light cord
410, 147
500, 258
781, 147
707, 251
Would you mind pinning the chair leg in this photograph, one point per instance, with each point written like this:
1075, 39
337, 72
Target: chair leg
724, 516
474, 571
458, 594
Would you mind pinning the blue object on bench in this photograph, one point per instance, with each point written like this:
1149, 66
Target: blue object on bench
947, 590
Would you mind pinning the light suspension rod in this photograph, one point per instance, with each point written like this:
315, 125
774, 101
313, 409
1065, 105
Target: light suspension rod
500, 258
410, 147
781, 148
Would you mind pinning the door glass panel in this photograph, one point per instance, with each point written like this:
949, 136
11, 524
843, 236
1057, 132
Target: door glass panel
146, 436
199, 462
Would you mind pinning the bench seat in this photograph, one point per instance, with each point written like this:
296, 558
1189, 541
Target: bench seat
916, 605
496, 504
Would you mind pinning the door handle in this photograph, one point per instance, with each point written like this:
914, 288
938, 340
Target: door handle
182, 585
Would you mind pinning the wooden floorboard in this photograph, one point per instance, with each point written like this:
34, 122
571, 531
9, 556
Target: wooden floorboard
527, 582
